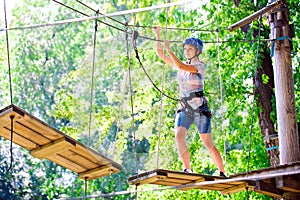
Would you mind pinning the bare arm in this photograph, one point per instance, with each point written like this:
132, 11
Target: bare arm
159, 49
178, 62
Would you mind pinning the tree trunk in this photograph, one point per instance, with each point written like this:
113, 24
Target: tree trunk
265, 93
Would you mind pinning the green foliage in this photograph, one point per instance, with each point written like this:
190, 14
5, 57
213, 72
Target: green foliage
265, 78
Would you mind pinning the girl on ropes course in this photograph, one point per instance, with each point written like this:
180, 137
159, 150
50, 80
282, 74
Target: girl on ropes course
194, 105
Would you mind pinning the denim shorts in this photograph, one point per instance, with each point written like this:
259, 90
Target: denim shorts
202, 121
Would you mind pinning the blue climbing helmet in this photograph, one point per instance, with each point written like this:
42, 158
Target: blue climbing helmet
196, 42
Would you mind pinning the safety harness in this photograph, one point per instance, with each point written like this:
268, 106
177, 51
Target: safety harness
188, 109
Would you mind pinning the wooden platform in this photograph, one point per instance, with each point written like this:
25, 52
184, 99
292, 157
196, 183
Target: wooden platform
274, 181
184, 181
44, 141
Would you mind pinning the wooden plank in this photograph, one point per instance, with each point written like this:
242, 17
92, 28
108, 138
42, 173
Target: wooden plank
150, 180
149, 177
147, 180
67, 163
236, 188
26, 130
218, 185
40, 127
167, 183
75, 156
191, 177
45, 142
202, 187
288, 183
259, 180
55, 147
18, 139
30, 134
91, 155
209, 185
31, 122
177, 181
5, 121
176, 178
268, 189
170, 178
167, 179
5, 127
98, 172
73, 161
226, 185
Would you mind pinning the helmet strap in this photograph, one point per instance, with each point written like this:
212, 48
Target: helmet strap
190, 59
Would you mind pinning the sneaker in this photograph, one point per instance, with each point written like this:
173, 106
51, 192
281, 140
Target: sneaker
223, 175
187, 171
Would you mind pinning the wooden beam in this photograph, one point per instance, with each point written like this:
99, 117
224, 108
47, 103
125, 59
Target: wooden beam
98, 172
52, 148
289, 183
153, 179
148, 177
236, 188
291, 196
268, 189
11, 110
270, 172
254, 16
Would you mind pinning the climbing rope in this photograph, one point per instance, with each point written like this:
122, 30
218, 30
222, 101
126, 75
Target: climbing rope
161, 94
10, 88
149, 78
221, 88
123, 95
11, 139
252, 118
221, 91
179, 29
133, 43
92, 81
108, 16
8, 54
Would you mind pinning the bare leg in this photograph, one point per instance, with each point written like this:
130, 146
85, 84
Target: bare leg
214, 152
180, 134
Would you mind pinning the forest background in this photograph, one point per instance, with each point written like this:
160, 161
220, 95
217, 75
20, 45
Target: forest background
131, 123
